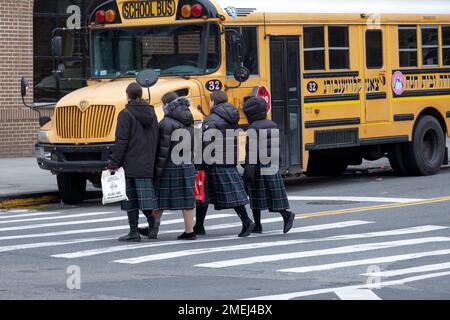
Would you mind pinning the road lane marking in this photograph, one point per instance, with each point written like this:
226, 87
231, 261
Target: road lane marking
34, 214
401, 272
322, 252
80, 215
51, 244
271, 244
92, 230
356, 294
354, 199
92, 252
371, 261
57, 224
372, 286
370, 208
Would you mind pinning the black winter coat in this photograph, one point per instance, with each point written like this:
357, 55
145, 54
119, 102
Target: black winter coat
223, 117
136, 141
177, 116
256, 111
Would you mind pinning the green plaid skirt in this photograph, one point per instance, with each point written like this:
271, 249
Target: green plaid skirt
141, 195
175, 189
224, 188
267, 192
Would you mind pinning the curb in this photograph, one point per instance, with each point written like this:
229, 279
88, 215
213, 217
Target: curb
37, 199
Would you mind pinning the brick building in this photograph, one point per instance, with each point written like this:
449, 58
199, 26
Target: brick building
25, 35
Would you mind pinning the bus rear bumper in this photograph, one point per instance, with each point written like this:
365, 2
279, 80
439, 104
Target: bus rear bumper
73, 158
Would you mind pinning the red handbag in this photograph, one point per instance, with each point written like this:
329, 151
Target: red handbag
200, 179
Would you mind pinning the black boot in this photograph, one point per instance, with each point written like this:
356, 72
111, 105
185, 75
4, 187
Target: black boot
288, 218
247, 224
188, 236
133, 220
153, 226
200, 215
257, 219
150, 220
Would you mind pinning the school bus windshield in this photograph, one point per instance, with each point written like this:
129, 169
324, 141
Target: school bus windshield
170, 50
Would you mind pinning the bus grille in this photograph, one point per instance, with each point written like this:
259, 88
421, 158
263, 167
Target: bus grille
94, 122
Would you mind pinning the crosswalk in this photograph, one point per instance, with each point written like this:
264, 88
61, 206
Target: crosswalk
312, 247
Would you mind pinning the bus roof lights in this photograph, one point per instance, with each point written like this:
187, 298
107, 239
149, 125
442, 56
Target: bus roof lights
197, 10
110, 16
186, 11
100, 17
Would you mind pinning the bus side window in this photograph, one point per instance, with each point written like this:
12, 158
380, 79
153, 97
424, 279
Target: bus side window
249, 51
430, 45
339, 47
446, 45
407, 38
374, 49
314, 48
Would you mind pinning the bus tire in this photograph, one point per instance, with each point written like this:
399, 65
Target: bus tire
425, 154
396, 158
323, 167
72, 187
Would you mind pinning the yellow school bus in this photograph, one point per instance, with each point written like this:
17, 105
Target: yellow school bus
343, 87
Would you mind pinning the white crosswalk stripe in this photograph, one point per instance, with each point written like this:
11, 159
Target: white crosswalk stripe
69, 216
315, 253
93, 252
253, 246
401, 272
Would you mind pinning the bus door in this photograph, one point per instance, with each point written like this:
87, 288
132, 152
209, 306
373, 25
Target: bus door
286, 99
375, 83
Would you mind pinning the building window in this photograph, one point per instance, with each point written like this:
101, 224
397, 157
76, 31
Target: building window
314, 48
48, 15
374, 49
446, 45
407, 38
249, 50
430, 45
339, 47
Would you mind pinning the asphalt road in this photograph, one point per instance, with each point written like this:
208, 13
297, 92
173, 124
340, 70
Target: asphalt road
366, 235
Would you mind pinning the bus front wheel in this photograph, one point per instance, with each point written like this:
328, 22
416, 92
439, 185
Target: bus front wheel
72, 187
425, 154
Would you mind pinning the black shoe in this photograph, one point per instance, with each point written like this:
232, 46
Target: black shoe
258, 229
143, 231
153, 232
133, 236
247, 229
200, 231
289, 222
188, 236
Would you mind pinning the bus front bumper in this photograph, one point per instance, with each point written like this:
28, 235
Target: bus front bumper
73, 158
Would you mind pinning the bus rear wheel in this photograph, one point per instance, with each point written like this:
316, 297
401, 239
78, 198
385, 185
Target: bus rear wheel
72, 187
425, 154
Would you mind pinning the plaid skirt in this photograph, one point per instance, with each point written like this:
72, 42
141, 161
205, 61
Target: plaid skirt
224, 188
141, 195
175, 189
267, 192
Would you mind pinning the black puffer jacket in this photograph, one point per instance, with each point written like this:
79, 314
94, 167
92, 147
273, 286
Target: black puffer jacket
136, 141
177, 116
256, 111
222, 118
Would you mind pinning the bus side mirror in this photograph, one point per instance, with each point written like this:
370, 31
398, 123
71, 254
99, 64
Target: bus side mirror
58, 74
57, 47
242, 74
23, 87
147, 78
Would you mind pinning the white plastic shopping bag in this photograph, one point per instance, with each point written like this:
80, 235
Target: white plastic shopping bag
114, 186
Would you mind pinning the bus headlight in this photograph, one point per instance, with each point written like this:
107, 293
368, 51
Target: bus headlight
43, 136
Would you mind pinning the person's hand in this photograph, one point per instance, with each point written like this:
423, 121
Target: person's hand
113, 168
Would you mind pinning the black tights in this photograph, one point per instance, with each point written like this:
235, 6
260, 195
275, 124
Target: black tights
202, 210
257, 216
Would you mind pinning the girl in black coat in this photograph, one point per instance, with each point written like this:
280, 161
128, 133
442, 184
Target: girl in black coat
266, 188
224, 186
135, 151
